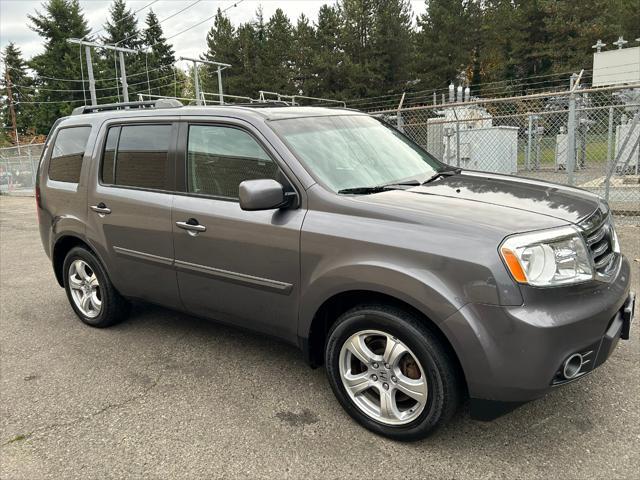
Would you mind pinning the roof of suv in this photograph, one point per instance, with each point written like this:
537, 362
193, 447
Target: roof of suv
262, 112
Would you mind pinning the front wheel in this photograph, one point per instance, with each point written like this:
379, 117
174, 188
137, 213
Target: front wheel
391, 373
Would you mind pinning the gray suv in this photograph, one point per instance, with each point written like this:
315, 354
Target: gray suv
415, 284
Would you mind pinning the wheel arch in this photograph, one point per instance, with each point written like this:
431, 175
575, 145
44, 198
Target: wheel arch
327, 314
62, 247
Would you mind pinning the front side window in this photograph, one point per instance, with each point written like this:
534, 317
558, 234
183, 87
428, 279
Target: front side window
220, 158
137, 156
67, 153
353, 151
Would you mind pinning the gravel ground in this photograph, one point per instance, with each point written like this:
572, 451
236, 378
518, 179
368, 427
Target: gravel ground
165, 395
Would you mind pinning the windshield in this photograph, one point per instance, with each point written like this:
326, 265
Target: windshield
354, 151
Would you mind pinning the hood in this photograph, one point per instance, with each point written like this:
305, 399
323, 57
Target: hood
499, 201
558, 201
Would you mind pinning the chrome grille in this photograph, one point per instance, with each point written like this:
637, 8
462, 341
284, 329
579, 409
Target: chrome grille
600, 243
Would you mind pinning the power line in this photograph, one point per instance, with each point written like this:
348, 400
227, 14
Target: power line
81, 100
201, 22
122, 19
161, 21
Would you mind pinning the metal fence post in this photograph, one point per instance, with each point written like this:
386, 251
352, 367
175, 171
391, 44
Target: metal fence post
527, 155
33, 173
609, 154
400, 120
455, 113
571, 134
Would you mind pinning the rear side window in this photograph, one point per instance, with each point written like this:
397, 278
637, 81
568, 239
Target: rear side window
137, 156
220, 158
67, 153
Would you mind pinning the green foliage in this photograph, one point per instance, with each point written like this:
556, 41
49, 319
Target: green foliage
22, 90
122, 30
60, 20
444, 46
355, 48
159, 58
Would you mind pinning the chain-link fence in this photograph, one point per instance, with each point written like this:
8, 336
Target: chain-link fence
18, 167
588, 138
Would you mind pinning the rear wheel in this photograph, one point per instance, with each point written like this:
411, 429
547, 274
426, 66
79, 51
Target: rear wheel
90, 292
391, 373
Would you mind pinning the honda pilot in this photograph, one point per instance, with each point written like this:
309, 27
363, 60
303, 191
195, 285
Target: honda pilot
417, 285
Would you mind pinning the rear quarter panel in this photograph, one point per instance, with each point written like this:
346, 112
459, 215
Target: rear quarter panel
64, 205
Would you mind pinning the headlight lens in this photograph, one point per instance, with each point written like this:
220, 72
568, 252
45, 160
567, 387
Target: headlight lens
547, 258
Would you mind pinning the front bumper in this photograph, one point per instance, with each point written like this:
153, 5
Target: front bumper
511, 355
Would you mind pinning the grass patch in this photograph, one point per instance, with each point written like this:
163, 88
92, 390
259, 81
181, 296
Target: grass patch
17, 438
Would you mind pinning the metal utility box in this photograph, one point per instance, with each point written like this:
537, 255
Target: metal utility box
492, 149
625, 132
483, 146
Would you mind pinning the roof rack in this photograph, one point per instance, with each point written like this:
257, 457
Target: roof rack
160, 103
275, 103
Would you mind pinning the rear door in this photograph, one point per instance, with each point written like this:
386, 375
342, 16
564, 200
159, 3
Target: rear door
129, 203
235, 266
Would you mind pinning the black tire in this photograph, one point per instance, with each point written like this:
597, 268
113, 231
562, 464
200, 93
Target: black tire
445, 390
115, 308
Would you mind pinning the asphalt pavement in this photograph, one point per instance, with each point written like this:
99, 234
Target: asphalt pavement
166, 395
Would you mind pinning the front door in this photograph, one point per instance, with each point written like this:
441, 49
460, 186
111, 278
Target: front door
130, 210
232, 265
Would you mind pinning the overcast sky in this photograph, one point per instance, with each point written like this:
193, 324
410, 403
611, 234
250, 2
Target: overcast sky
14, 22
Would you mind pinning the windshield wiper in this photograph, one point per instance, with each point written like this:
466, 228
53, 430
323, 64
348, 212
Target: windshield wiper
442, 173
363, 190
380, 188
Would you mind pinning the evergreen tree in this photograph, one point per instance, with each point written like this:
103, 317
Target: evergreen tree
248, 66
160, 57
443, 46
61, 20
392, 45
571, 29
330, 57
277, 68
357, 31
21, 91
222, 46
122, 30
303, 57
501, 35
531, 50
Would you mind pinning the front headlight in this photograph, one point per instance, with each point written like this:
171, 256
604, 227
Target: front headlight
547, 258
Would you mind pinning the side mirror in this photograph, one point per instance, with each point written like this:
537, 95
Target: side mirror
265, 194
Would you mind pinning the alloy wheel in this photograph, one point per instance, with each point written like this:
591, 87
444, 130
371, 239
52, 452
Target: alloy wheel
383, 377
85, 288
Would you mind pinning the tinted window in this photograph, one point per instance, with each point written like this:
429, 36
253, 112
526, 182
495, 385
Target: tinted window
220, 158
67, 153
142, 156
109, 157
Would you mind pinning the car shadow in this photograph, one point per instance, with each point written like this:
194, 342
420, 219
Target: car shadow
540, 424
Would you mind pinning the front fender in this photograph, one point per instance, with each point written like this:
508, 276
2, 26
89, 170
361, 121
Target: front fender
417, 287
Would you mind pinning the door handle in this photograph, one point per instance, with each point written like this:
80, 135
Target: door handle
101, 208
191, 225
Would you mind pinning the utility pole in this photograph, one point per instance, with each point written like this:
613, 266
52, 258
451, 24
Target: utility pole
12, 110
92, 82
196, 81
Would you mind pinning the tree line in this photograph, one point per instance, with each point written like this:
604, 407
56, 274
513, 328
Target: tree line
354, 49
